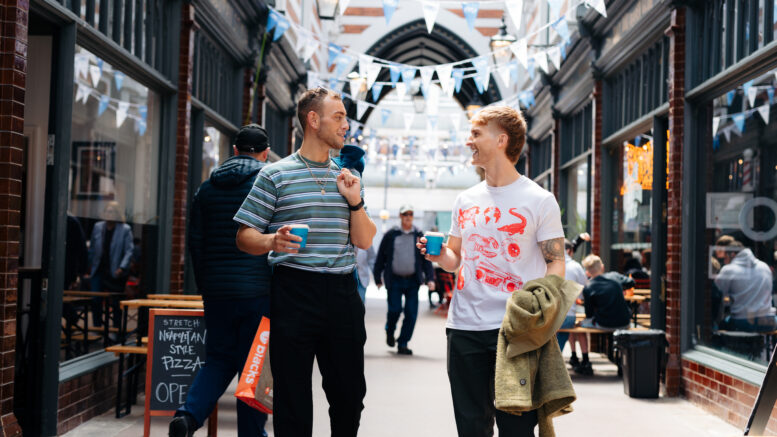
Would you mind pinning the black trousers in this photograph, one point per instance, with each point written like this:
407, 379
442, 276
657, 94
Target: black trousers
471, 364
316, 315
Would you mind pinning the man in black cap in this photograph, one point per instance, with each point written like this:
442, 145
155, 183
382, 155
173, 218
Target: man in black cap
235, 286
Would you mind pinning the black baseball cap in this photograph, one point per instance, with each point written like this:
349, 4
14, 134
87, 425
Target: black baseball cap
251, 138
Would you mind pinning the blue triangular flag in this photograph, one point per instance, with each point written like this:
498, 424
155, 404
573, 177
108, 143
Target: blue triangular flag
394, 73
716, 142
283, 25
746, 87
739, 121
479, 85
458, 76
470, 10
514, 71
332, 83
376, 89
272, 20
408, 74
143, 111
118, 77
334, 51
562, 28
141, 126
563, 49
384, 115
482, 77
530, 66
100, 64
104, 100
770, 92
730, 97
389, 6
342, 63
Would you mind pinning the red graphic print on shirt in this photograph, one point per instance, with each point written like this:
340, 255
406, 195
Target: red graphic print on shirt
510, 249
464, 274
492, 212
468, 215
489, 274
478, 245
515, 228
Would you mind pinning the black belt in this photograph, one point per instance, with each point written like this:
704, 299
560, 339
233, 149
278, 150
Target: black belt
410, 276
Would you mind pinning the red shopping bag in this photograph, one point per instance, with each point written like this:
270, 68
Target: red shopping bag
255, 384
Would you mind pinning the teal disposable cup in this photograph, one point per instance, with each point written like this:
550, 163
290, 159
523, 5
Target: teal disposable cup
300, 231
434, 242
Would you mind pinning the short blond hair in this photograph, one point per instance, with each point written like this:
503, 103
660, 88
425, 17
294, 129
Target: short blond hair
509, 120
593, 264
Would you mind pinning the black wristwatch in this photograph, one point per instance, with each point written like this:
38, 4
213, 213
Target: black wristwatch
356, 207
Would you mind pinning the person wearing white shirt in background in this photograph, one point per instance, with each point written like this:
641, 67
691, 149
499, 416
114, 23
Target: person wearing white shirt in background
575, 272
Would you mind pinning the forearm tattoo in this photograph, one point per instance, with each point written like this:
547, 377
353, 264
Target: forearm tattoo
552, 250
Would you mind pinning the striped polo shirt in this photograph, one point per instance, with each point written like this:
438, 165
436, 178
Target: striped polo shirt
285, 193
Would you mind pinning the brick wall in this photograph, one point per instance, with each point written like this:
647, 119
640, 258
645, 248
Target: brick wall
596, 172
186, 62
724, 396
13, 63
676, 34
85, 397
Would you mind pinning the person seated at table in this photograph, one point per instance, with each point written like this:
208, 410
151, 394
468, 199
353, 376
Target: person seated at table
634, 267
747, 281
605, 306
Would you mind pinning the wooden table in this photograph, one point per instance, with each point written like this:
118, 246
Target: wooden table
74, 310
642, 292
635, 301
192, 297
106, 298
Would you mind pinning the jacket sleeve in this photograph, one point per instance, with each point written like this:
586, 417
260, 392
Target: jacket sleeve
380, 260
195, 237
371, 256
626, 282
588, 303
128, 245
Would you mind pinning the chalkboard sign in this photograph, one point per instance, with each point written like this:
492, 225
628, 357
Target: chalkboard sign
176, 352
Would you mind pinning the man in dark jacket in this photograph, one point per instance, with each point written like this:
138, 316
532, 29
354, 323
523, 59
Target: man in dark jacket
605, 306
403, 269
235, 286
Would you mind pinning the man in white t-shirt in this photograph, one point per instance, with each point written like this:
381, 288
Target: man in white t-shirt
505, 232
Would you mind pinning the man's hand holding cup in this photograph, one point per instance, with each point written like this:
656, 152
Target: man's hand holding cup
432, 245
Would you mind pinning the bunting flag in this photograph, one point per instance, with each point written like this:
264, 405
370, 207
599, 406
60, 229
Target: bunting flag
364, 64
376, 89
554, 53
430, 14
104, 100
431, 120
394, 72
444, 75
121, 113
505, 73
384, 116
272, 20
763, 110
458, 76
408, 116
541, 59
730, 97
361, 108
426, 77
342, 63
310, 49
355, 86
333, 51
312, 79
81, 65
727, 134
514, 71
408, 74
118, 78
752, 93
280, 28
433, 100
342, 5
470, 10
143, 111
746, 87
333, 83
401, 90
562, 28
95, 73
715, 125
302, 41
598, 5
739, 121
521, 51
770, 92
82, 93
372, 74
531, 67
140, 126
555, 7
515, 9
716, 142
389, 6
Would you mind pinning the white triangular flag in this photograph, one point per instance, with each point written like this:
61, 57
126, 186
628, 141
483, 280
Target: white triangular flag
430, 14
361, 108
82, 93
433, 100
752, 93
364, 64
401, 90
515, 9
521, 51
764, 111
504, 73
121, 113
81, 65
541, 59
372, 74
426, 76
554, 53
446, 81
715, 125
598, 5
727, 133
409, 116
356, 87
302, 41
96, 73
342, 6
310, 49
312, 79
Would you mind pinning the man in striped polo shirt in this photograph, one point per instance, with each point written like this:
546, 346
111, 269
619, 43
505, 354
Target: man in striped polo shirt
315, 308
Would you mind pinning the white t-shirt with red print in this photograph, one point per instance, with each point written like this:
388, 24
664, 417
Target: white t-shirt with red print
500, 228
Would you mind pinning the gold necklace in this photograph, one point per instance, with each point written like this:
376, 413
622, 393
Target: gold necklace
321, 184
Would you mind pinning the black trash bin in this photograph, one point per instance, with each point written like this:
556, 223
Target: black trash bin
641, 360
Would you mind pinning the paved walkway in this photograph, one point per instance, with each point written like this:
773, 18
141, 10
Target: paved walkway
409, 396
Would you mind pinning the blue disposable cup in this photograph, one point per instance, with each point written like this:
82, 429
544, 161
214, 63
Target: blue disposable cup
301, 231
434, 242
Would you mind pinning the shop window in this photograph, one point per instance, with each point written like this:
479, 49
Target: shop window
277, 125
216, 148
737, 308
575, 199
540, 153
113, 194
